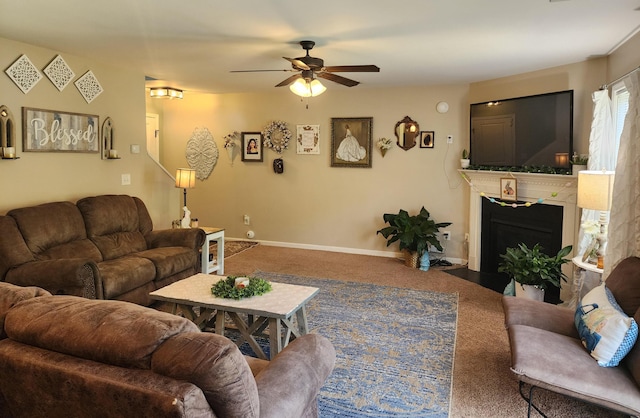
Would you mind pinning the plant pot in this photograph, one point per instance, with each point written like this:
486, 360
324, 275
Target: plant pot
530, 292
464, 162
576, 168
411, 259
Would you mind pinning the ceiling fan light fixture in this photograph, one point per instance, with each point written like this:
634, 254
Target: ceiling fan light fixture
306, 88
167, 92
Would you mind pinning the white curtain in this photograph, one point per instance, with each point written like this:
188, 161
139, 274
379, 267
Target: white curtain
602, 152
601, 156
624, 225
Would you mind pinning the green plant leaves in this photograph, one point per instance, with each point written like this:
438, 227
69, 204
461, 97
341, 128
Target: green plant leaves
533, 267
414, 233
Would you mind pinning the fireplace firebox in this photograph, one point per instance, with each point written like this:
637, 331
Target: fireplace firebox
504, 227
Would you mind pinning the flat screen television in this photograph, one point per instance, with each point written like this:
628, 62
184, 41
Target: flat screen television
524, 131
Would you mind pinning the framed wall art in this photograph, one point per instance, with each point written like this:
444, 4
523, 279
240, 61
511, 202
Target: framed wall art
351, 142
251, 146
308, 139
508, 189
54, 131
427, 139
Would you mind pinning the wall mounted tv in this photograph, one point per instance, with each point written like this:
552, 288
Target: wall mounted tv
524, 131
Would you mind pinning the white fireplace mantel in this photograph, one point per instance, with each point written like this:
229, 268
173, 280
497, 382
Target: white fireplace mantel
553, 189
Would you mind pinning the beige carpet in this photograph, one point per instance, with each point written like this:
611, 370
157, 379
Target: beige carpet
483, 385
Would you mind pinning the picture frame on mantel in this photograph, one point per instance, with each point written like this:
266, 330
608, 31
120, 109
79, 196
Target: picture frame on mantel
509, 189
55, 131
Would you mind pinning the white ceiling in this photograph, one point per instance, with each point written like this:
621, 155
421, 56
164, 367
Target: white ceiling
193, 44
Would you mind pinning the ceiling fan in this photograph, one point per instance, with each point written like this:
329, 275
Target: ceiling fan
309, 68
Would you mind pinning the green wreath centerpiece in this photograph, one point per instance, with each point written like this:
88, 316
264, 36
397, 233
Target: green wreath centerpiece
277, 136
238, 287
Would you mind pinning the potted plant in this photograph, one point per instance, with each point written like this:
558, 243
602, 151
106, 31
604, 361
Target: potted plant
533, 270
465, 160
578, 163
414, 233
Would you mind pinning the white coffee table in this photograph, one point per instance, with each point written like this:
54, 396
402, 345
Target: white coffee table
274, 309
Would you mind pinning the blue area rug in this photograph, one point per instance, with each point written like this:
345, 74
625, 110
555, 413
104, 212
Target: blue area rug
394, 346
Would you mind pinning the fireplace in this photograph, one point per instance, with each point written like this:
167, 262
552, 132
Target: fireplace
504, 227
554, 196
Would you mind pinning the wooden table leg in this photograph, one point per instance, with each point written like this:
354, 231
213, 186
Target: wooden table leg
301, 315
275, 339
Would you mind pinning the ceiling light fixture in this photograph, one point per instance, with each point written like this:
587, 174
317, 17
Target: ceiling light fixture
167, 92
307, 88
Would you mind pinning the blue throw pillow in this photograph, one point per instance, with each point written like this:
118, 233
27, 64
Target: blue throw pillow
605, 330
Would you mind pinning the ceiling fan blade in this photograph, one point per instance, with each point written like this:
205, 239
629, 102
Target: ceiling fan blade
352, 69
297, 63
255, 71
289, 80
338, 79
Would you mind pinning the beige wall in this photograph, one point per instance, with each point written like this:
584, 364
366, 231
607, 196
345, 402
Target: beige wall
39, 177
318, 206
312, 203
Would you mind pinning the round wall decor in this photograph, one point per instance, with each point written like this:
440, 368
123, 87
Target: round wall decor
276, 136
202, 153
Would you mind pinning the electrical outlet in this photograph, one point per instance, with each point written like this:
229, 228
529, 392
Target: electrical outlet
246, 219
446, 235
449, 139
126, 179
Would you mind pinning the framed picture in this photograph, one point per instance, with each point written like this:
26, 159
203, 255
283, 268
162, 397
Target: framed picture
308, 139
351, 142
251, 146
508, 189
427, 139
54, 131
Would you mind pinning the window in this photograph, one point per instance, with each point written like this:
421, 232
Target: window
620, 106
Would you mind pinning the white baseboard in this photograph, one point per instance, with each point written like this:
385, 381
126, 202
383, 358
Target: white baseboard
345, 250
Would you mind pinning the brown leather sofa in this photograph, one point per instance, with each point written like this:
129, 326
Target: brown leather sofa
546, 351
102, 247
67, 356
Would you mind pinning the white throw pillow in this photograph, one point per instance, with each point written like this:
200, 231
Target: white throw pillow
605, 330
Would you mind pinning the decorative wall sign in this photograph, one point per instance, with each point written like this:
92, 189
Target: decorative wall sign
351, 142
202, 153
59, 73
89, 86
53, 131
308, 139
24, 74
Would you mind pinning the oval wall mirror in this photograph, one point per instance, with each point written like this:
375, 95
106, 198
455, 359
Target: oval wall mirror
406, 131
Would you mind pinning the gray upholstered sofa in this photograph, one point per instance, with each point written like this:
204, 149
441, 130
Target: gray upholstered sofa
101, 247
67, 356
546, 351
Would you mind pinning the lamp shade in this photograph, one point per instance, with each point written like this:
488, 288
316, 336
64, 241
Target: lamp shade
595, 189
305, 88
186, 178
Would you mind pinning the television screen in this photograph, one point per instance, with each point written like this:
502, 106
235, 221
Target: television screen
524, 131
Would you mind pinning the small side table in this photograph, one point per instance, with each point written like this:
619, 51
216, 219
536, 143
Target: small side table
585, 277
217, 264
